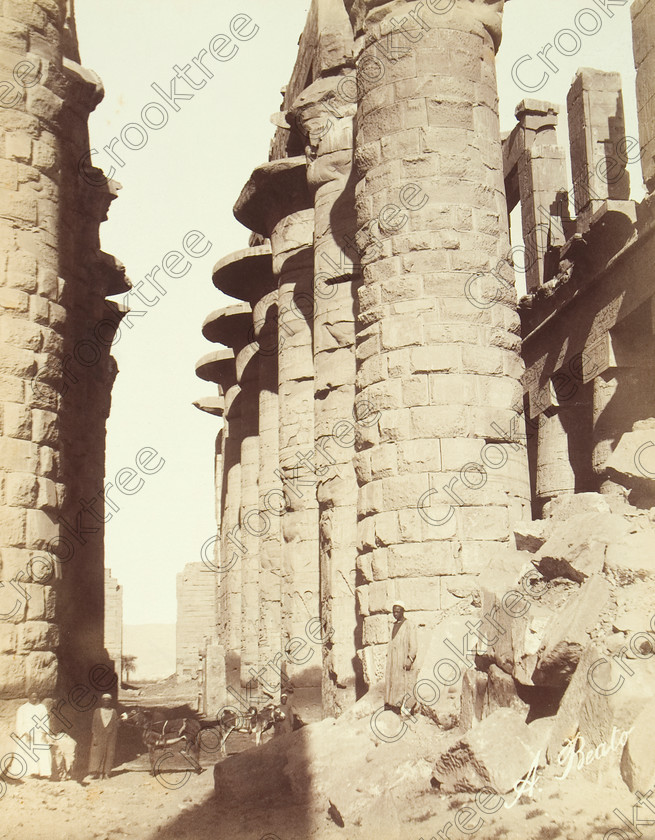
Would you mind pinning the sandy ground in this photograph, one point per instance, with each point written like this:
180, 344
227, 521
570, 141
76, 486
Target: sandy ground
131, 805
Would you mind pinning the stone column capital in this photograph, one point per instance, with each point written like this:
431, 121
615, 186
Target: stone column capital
231, 326
364, 13
323, 115
219, 367
274, 190
246, 274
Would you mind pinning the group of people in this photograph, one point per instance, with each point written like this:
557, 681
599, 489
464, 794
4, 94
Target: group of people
33, 729
33, 717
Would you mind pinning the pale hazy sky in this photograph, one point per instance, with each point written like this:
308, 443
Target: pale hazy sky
187, 176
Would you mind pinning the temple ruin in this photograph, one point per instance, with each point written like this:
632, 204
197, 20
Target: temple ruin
393, 421
390, 412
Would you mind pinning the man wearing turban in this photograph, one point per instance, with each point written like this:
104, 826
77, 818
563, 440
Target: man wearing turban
400, 675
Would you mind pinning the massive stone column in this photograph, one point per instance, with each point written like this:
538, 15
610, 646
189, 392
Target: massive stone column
55, 367
248, 275
326, 122
444, 471
219, 367
231, 326
276, 203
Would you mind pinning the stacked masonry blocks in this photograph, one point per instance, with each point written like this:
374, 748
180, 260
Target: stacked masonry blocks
49, 242
414, 500
443, 374
32, 324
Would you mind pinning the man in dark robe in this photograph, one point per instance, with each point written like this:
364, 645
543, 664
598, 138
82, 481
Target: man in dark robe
400, 675
104, 730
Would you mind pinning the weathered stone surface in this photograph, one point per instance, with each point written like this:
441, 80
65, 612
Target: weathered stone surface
567, 634
576, 548
515, 637
502, 693
530, 536
632, 557
481, 759
474, 688
638, 757
606, 694
570, 504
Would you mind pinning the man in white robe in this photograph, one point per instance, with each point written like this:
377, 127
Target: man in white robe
32, 726
400, 677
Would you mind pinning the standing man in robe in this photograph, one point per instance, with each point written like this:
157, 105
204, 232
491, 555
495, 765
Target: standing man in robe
34, 736
104, 730
400, 675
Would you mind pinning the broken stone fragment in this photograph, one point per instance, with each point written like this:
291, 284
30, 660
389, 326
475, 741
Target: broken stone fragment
598, 710
570, 504
577, 546
530, 535
567, 634
631, 558
638, 757
497, 753
474, 689
502, 694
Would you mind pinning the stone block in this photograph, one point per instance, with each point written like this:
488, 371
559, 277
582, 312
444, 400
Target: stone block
45, 427
437, 421
598, 710
478, 522
12, 526
415, 560
457, 589
41, 529
37, 635
631, 558
519, 621
576, 548
570, 504
529, 535
638, 757
417, 593
17, 421
21, 490
18, 146
419, 456
13, 676
480, 758
16, 361
440, 358
448, 388
41, 673
376, 630
8, 638
502, 694
568, 633
474, 689
403, 491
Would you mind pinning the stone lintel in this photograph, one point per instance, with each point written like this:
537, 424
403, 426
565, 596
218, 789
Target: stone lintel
231, 326
219, 367
274, 190
246, 274
211, 405
586, 314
